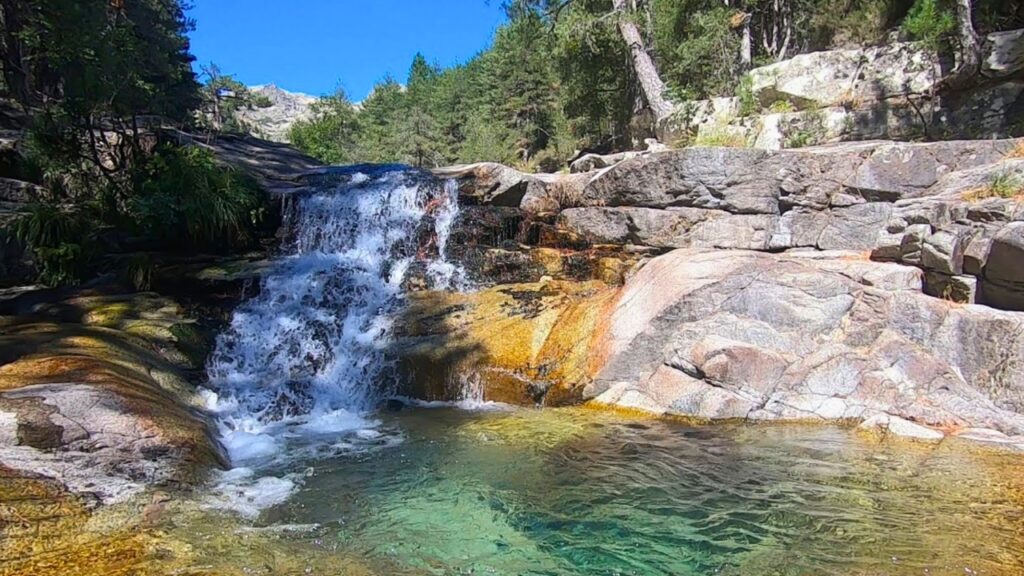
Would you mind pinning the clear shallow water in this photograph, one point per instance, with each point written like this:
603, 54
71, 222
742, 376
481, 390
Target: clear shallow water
558, 492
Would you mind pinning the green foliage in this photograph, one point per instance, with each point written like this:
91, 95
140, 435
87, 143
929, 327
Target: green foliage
184, 198
995, 15
223, 98
382, 115
781, 107
502, 106
699, 51
811, 131
63, 265
720, 136
332, 135
94, 58
598, 87
137, 271
62, 241
932, 22
745, 95
853, 22
92, 73
1006, 185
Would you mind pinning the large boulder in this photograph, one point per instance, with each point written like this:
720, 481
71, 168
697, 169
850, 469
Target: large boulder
491, 183
856, 77
94, 395
1003, 283
713, 178
874, 92
671, 228
895, 171
844, 76
766, 337
920, 204
1005, 54
729, 334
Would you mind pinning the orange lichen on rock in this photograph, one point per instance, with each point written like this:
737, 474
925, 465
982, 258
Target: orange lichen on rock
516, 343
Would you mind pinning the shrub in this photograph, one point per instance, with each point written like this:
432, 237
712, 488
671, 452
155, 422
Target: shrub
62, 242
721, 137
547, 161
809, 132
184, 197
781, 107
745, 95
1006, 185
931, 22
137, 271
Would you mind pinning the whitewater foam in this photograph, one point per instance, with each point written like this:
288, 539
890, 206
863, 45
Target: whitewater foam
303, 363
241, 491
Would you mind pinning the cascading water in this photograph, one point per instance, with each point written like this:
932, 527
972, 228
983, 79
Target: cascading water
306, 357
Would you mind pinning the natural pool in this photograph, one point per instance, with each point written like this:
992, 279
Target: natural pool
575, 491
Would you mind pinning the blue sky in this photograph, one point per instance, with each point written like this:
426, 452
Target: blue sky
314, 46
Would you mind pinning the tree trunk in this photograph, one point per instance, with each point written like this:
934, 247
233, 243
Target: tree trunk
15, 69
650, 81
746, 49
970, 48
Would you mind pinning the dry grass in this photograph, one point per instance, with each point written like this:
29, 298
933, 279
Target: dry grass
1018, 151
567, 194
719, 137
850, 100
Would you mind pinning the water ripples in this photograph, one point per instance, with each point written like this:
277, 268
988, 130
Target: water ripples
574, 492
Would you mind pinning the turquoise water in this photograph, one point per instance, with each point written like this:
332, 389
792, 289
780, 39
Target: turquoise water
560, 492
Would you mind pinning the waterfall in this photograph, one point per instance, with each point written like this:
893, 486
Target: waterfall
306, 356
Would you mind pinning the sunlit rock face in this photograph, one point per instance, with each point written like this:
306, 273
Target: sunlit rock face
923, 205
516, 343
274, 122
864, 93
729, 335
733, 334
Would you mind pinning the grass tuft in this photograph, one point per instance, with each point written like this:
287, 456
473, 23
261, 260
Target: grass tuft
1005, 185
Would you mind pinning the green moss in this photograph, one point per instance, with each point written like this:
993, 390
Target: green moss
192, 342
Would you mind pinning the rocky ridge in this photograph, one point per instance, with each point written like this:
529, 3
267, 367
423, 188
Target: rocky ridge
275, 121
